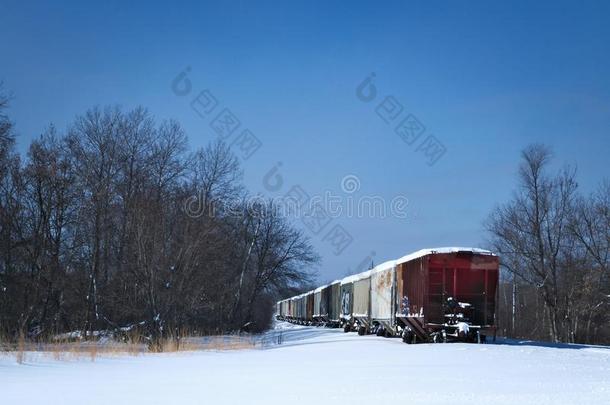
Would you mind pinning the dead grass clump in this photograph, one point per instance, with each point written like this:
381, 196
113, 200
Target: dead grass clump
20, 354
227, 342
68, 348
186, 342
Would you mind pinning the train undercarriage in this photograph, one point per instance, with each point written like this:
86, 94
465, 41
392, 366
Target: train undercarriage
410, 329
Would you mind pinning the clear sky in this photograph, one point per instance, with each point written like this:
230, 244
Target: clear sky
484, 79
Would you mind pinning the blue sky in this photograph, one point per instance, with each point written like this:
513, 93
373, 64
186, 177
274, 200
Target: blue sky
484, 79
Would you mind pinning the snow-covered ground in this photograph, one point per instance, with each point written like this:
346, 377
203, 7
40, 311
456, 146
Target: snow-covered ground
320, 366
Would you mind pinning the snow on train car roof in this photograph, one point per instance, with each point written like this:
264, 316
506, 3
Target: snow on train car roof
425, 252
380, 267
411, 256
356, 277
326, 285
320, 288
384, 266
299, 296
305, 294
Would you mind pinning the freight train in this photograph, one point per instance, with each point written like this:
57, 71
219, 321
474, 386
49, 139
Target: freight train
432, 295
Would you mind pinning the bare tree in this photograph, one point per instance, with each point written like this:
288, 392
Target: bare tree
94, 143
50, 215
15, 306
217, 176
591, 229
95, 233
531, 232
281, 254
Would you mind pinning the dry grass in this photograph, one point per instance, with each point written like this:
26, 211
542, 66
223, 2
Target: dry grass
227, 342
71, 350
20, 349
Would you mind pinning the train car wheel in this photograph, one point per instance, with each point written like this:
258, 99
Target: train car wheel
408, 337
347, 328
361, 331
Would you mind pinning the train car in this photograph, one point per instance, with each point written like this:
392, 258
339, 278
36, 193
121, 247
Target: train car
303, 317
362, 304
309, 308
383, 282
304, 309
447, 293
295, 309
325, 304
300, 313
283, 309
317, 301
431, 295
334, 304
347, 302
278, 311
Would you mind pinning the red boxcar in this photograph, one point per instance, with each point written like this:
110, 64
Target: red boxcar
447, 294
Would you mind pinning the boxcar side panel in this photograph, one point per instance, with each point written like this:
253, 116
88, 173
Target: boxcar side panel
467, 277
309, 314
411, 287
347, 300
382, 288
302, 308
324, 301
317, 298
362, 297
335, 301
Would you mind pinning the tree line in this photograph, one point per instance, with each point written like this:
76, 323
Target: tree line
98, 231
115, 224
554, 246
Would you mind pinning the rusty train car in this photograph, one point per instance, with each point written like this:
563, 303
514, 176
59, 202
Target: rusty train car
432, 295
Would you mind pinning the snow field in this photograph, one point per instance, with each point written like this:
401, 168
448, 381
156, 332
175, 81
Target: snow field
321, 366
